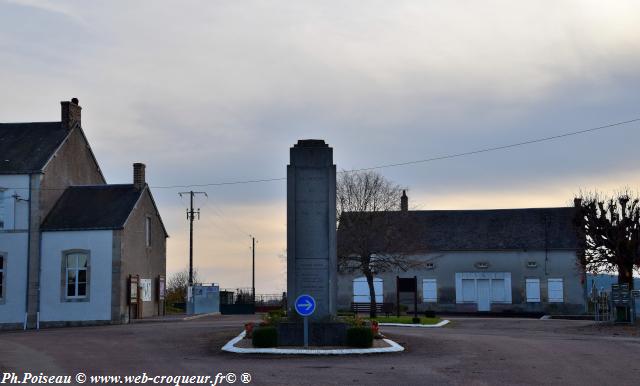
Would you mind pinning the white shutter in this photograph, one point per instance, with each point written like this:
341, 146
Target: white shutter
498, 293
556, 290
533, 290
377, 289
458, 287
429, 291
361, 290
468, 290
507, 287
3, 216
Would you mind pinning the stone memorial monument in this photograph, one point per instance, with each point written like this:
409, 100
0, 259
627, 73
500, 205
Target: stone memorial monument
311, 227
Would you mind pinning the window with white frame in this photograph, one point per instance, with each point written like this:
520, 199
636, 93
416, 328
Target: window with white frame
429, 291
147, 231
555, 290
76, 275
533, 290
361, 292
3, 270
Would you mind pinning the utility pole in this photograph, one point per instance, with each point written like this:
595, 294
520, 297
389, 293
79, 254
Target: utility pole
190, 216
253, 270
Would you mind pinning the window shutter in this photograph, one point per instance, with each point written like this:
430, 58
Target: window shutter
361, 290
468, 290
533, 290
556, 290
429, 291
498, 291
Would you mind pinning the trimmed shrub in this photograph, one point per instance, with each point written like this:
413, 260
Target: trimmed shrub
430, 314
415, 320
265, 337
360, 337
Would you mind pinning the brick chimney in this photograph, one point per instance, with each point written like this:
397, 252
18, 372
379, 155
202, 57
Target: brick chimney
404, 201
138, 175
577, 202
70, 113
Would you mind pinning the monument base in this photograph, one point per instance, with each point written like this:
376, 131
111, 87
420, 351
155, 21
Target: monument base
320, 333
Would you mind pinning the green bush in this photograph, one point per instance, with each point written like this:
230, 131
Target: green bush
359, 337
275, 313
272, 318
415, 320
265, 337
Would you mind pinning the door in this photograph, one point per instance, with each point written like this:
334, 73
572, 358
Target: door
484, 293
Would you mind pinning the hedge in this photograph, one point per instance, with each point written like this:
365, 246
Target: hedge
265, 337
360, 337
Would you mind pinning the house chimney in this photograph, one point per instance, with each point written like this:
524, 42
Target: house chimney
404, 201
138, 175
70, 113
577, 202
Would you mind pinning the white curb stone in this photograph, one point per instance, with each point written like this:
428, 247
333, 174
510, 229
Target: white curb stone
442, 323
230, 347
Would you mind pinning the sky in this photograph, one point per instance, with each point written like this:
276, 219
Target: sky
214, 91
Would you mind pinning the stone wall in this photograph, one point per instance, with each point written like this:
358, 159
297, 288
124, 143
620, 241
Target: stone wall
136, 258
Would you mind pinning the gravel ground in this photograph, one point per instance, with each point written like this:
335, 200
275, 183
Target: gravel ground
470, 351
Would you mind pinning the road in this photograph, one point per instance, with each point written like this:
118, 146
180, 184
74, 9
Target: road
471, 351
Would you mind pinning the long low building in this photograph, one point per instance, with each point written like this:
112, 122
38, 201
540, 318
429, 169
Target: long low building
498, 260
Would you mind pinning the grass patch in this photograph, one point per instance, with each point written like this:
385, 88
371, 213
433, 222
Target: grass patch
169, 310
406, 320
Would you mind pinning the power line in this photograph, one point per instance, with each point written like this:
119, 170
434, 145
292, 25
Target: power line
448, 156
425, 160
218, 212
486, 150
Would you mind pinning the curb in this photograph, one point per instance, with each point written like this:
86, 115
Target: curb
230, 347
194, 317
440, 324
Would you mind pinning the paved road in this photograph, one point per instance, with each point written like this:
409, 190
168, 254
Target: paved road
472, 351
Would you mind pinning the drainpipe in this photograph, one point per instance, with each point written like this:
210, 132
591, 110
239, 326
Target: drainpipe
546, 245
39, 276
26, 298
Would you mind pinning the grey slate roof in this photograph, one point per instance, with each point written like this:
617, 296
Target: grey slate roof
492, 229
26, 147
92, 207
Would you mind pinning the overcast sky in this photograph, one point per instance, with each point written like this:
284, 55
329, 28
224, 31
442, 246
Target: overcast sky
211, 91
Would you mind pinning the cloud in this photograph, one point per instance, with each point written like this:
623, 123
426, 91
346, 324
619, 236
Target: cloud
217, 91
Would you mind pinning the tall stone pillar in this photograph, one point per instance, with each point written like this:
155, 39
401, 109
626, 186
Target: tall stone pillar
311, 226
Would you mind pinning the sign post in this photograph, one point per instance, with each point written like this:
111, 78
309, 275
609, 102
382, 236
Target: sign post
305, 305
407, 284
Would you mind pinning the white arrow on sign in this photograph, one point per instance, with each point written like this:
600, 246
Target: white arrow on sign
306, 305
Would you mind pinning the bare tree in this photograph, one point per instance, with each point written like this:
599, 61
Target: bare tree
374, 236
611, 227
178, 284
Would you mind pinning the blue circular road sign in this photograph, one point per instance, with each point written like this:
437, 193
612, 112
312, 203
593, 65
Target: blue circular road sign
305, 305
